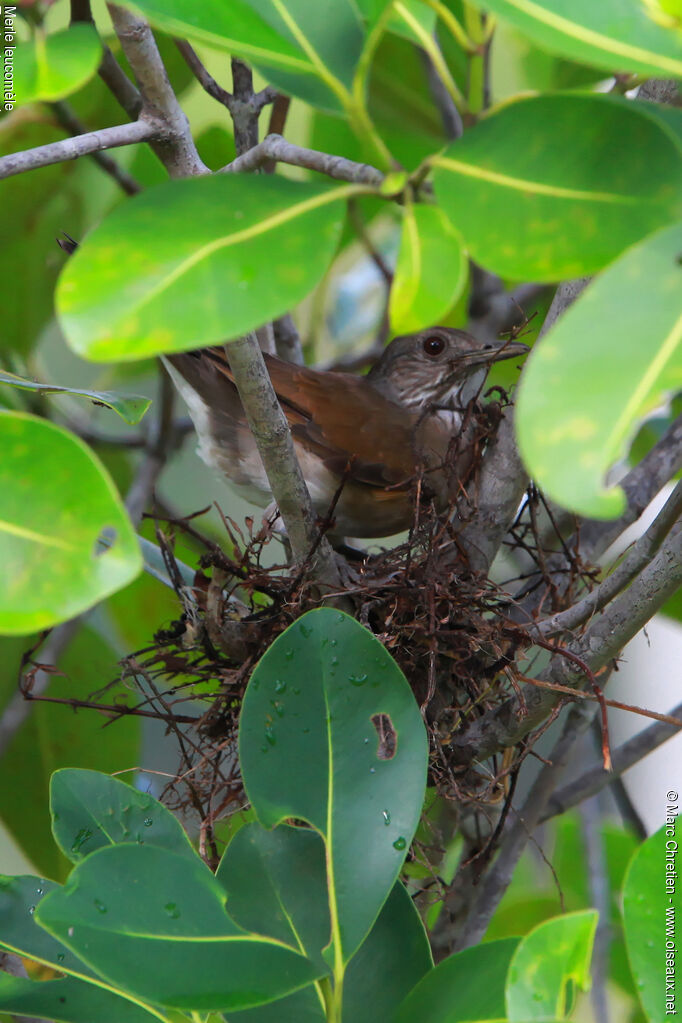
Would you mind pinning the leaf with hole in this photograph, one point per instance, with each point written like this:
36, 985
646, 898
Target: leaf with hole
130, 407
195, 262
53, 66
615, 35
538, 196
330, 733
56, 500
609, 361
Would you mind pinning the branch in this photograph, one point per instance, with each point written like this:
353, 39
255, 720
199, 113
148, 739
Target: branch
638, 557
109, 70
80, 145
276, 448
274, 147
509, 723
626, 756
205, 80
174, 144
242, 108
68, 119
503, 478
641, 485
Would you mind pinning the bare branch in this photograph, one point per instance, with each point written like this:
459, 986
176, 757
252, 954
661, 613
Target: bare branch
68, 119
288, 340
80, 145
596, 778
274, 147
110, 71
638, 557
205, 80
276, 448
510, 722
242, 109
174, 144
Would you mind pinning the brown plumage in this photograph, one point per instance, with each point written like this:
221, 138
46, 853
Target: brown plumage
376, 431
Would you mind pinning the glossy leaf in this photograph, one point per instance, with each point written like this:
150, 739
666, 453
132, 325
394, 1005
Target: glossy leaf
394, 956
68, 1000
310, 748
130, 408
53, 66
196, 261
554, 953
276, 885
55, 501
91, 810
607, 362
431, 270
305, 47
616, 35
649, 904
467, 986
537, 196
133, 913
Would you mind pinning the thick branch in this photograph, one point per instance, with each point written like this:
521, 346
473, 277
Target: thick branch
276, 448
627, 755
175, 145
274, 147
80, 145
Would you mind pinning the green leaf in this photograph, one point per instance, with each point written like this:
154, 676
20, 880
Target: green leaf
616, 35
607, 362
91, 810
431, 270
467, 986
276, 884
192, 262
154, 924
130, 407
394, 956
55, 501
68, 1001
53, 66
649, 905
310, 748
554, 953
551, 187
303, 47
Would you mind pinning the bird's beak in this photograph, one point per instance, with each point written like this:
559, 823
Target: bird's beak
496, 353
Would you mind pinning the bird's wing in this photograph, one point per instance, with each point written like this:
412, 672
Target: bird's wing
341, 418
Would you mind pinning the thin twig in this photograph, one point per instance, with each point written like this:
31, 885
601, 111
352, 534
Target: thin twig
595, 778
274, 147
69, 120
205, 80
110, 71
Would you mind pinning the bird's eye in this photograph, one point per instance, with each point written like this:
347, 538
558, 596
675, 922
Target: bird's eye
433, 346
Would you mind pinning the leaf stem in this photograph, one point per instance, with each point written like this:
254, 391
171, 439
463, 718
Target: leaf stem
433, 50
456, 30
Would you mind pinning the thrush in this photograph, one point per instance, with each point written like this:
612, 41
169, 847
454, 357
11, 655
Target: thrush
369, 437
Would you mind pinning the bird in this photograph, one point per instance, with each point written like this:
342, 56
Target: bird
363, 440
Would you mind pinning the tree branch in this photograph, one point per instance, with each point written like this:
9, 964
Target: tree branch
638, 557
274, 147
626, 756
276, 448
68, 119
174, 144
205, 80
509, 723
109, 70
79, 145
